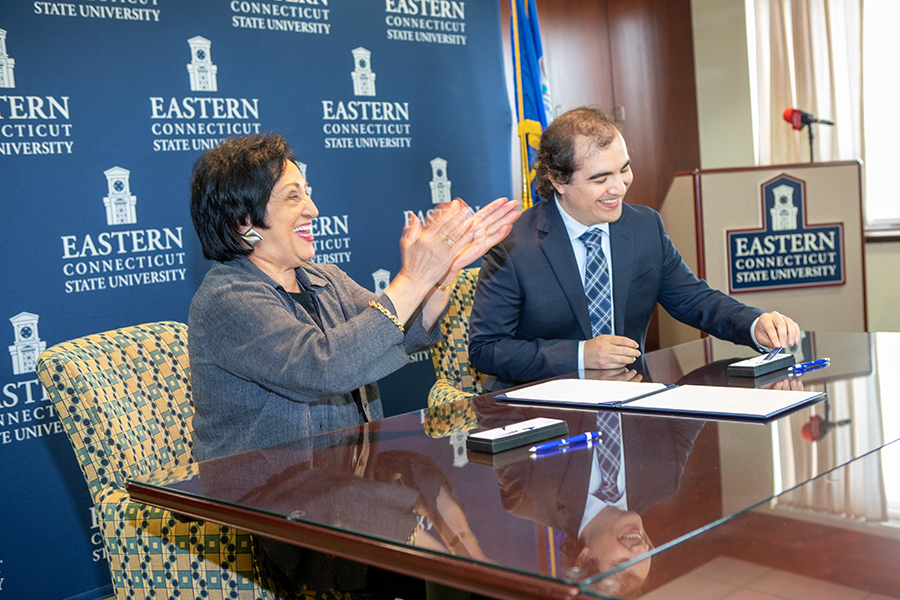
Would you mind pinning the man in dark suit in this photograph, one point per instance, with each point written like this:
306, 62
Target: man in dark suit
531, 320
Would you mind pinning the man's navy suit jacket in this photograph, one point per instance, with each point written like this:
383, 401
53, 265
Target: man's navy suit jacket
530, 310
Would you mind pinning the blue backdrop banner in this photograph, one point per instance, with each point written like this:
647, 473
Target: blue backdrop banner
390, 105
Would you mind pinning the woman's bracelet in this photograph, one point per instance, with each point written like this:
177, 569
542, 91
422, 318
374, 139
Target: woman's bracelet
388, 314
411, 540
465, 534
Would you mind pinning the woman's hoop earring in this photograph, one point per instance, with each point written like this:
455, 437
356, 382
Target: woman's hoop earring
252, 237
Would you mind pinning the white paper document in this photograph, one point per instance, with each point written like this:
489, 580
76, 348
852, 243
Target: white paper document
583, 391
732, 401
656, 397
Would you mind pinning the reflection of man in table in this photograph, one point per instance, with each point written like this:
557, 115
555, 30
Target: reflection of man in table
600, 513
575, 283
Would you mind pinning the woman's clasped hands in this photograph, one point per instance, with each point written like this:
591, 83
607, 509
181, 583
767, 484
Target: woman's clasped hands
453, 237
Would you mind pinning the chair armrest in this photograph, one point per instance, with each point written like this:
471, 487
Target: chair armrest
154, 549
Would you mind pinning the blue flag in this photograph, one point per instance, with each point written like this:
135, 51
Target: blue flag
533, 107
535, 92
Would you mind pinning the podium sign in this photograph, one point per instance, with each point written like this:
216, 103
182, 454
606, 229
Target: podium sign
787, 252
787, 237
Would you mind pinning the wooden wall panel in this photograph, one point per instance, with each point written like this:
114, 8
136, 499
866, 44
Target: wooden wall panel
575, 35
653, 77
633, 58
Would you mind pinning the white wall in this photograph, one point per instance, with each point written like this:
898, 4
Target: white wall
882, 289
722, 72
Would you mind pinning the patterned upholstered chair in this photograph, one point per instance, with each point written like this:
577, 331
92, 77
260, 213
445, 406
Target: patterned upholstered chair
124, 398
456, 378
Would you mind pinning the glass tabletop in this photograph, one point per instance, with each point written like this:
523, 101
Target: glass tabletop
407, 484
836, 536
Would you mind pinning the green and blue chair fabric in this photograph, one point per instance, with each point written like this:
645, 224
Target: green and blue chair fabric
124, 399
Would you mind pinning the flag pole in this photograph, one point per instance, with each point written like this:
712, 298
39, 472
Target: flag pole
523, 143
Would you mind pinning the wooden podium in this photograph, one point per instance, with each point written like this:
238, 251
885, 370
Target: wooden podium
787, 237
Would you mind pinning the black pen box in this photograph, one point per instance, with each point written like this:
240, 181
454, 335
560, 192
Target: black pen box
756, 366
515, 435
760, 381
499, 459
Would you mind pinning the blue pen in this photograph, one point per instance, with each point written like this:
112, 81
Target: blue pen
561, 450
802, 372
772, 354
581, 437
807, 365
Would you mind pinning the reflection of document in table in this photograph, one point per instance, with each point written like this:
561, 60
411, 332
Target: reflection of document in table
699, 400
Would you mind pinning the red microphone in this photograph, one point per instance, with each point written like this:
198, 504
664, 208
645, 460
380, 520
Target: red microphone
817, 428
794, 117
798, 118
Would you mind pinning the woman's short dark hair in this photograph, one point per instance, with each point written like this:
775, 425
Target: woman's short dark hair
230, 186
556, 155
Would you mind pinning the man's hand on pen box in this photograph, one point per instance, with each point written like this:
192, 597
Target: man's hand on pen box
775, 330
620, 374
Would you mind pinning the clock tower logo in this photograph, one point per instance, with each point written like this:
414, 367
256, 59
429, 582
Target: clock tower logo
440, 185
201, 68
7, 64
363, 77
382, 279
302, 167
120, 203
28, 345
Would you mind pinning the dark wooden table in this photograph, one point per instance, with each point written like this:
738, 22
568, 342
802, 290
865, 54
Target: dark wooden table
762, 493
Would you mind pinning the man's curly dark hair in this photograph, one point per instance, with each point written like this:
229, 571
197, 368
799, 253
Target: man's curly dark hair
556, 155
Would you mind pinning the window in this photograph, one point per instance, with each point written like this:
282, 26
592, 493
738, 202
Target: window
881, 123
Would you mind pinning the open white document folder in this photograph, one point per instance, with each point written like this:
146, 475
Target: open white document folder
698, 400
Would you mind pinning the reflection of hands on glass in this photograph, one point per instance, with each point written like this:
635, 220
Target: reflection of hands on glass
793, 384
620, 374
463, 544
450, 524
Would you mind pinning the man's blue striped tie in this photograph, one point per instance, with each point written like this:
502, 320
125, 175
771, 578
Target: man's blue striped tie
608, 456
597, 285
